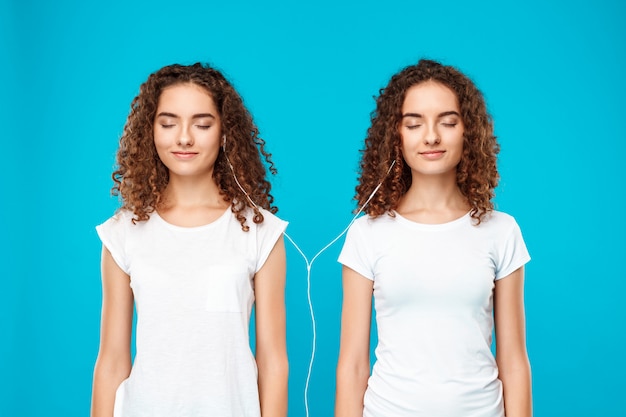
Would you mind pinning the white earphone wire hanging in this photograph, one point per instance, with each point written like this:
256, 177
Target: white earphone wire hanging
309, 264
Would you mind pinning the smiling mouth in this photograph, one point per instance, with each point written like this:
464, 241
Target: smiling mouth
432, 154
184, 155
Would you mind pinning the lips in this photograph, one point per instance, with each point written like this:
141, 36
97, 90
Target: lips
184, 155
434, 154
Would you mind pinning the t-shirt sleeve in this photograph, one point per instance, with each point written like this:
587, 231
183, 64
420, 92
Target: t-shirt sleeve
355, 253
268, 234
512, 254
112, 233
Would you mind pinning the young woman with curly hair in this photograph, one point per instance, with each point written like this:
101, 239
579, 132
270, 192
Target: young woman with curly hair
441, 264
192, 252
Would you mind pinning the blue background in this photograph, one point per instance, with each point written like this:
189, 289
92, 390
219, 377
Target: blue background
553, 76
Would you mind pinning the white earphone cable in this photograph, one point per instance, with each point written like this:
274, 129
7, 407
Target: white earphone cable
309, 265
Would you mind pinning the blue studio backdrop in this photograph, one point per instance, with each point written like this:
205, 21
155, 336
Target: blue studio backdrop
553, 76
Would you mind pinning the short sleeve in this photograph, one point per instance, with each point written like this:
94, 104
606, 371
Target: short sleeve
268, 234
512, 253
355, 253
112, 233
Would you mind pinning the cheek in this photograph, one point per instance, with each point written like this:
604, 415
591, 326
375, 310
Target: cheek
457, 141
408, 140
163, 137
404, 147
157, 136
210, 142
458, 151
160, 144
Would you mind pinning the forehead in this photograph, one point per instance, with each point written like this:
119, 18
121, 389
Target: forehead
430, 95
188, 94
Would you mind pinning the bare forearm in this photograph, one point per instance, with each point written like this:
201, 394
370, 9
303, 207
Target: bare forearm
351, 386
273, 381
511, 355
107, 378
516, 385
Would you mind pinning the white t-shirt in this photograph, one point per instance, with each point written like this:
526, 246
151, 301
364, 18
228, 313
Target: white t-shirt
433, 296
194, 290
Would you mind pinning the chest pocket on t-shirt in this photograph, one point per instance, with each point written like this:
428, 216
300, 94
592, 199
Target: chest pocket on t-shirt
229, 289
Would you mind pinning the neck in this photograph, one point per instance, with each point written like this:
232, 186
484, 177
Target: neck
192, 192
192, 201
433, 199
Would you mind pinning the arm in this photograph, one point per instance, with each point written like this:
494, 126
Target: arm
353, 367
113, 363
271, 345
511, 355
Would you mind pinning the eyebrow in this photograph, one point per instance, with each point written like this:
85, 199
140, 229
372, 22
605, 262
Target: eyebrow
444, 114
195, 116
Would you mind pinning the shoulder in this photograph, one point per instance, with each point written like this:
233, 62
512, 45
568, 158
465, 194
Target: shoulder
114, 234
262, 236
270, 221
123, 215
502, 217
271, 218
499, 227
499, 220
378, 221
118, 220
373, 225
121, 222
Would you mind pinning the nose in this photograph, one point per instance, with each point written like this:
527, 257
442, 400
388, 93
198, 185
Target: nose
432, 135
185, 138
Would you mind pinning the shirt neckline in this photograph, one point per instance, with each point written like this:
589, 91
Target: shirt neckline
434, 226
212, 224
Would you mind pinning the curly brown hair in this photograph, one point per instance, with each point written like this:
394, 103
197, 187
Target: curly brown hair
141, 177
477, 174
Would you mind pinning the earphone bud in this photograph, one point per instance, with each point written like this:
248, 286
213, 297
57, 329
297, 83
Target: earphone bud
224, 142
